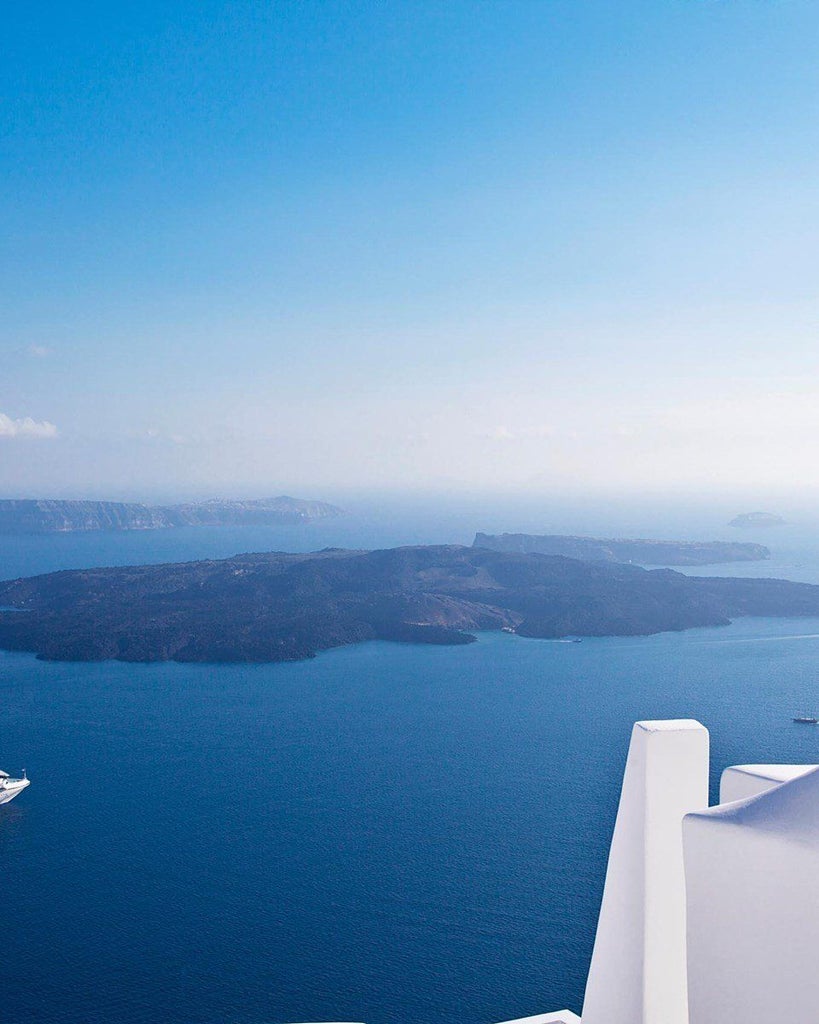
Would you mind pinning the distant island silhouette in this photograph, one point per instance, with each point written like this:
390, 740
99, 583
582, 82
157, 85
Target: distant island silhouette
642, 552
749, 519
284, 607
39, 515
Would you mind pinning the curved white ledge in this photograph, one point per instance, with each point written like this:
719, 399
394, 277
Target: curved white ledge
560, 1017
743, 780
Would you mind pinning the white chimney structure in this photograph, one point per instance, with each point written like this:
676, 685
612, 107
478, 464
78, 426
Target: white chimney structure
710, 915
637, 973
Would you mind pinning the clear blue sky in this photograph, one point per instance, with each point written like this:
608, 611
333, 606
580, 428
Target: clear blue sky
263, 247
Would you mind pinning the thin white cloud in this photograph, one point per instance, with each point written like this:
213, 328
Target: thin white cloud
39, 351
25, 427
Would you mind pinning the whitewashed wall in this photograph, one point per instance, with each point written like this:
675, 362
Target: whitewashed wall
638, 973
752, 876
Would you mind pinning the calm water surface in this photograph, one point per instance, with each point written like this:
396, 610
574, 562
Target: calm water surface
387, 833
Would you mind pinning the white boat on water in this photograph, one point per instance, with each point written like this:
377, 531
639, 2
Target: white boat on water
9, 787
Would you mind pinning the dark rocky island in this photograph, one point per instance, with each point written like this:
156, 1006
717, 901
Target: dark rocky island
753, 519
282, 607
45, 516
641, 552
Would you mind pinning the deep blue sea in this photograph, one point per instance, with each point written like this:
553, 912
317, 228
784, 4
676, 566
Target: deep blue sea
388, 833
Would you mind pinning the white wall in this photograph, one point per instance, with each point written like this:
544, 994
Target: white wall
743, 780
638, 969
752, 878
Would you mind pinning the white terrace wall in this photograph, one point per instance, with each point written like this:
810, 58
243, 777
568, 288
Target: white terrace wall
638, 972
752, 879
743, 780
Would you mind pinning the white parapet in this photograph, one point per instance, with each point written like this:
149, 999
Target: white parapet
752, 879
743, 780
638, 968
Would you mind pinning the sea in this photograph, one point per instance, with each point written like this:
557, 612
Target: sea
387, 833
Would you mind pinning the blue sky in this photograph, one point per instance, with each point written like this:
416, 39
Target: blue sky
550, 246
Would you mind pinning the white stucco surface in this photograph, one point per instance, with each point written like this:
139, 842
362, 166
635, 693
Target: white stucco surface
638, 968
743, 780
752, 879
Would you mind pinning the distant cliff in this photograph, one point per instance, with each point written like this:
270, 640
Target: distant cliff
44, 516
641, 552
282, 607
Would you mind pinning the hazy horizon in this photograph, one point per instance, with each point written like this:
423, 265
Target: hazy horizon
462, 248
512, 510
453, 516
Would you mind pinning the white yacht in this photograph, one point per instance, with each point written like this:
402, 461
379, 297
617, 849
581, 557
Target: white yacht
9, 787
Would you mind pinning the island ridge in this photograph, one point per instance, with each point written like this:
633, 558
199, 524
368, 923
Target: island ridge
27, 515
